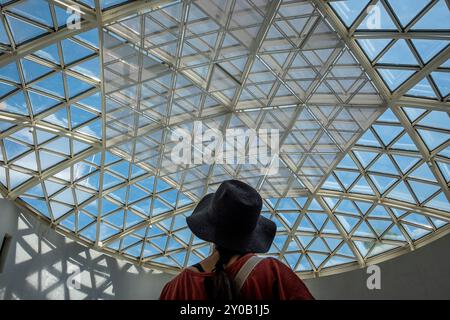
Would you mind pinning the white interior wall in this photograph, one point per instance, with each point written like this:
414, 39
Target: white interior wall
40, 262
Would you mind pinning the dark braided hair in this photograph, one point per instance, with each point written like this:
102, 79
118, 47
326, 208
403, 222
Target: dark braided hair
221, 286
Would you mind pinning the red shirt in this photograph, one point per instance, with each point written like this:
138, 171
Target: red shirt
269, 280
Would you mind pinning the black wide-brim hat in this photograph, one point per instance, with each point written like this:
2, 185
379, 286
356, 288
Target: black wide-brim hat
231, 218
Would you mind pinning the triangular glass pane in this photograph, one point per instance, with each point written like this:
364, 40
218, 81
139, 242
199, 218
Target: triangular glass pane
132, 219
40, 103
318, 245
106, 231
364, 230
16, 178
363, 246
384, 165
407, 10
380, 212
27, 162
438, 222
318, 219
9, 72
363, 206
90, 37
433, 139
159, 208
422, 89
439, 202
14, 149
89, 68
110, 181
417, 219
415, 232
49, 53
394, 233
423, 172
379, 248
59, 209
394, 77
435, 19
49, 159
332, 184
436, 119
6, 89
76, 86
23, 31
349, 10
365, 157
33, 70
346, 177
380, 226
65, 196
347, 222
331, 202
442, 81
317, 258
405, 163
336, 261
368, 139
413, 113
399, 54
445, 170
60, 145
347, 163
15, 104
401, 192
377, 19
373, 47
362, 186
388, 116
429, 48
387, 133
382, 183
3, 35
347, 206
34, 10
53, 85
73, 51
405, 143
330, 228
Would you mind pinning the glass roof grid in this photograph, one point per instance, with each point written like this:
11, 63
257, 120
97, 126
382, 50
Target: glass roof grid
414, 54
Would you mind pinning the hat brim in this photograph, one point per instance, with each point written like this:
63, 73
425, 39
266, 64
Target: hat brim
258, 241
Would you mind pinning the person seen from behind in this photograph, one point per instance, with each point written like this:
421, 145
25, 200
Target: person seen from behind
230, 219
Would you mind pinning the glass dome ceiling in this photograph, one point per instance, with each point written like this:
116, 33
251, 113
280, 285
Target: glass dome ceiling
358, 89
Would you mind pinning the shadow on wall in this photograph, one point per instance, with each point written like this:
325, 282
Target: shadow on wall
42, 264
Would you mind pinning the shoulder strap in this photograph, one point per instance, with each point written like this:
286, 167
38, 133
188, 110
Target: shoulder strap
245, 271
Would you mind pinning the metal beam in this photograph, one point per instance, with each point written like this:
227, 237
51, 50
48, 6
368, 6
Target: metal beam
404, 35
423, 103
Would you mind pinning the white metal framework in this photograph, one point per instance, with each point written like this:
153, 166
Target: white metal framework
358, 90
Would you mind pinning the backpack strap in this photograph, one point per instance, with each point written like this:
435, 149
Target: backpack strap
245, 271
